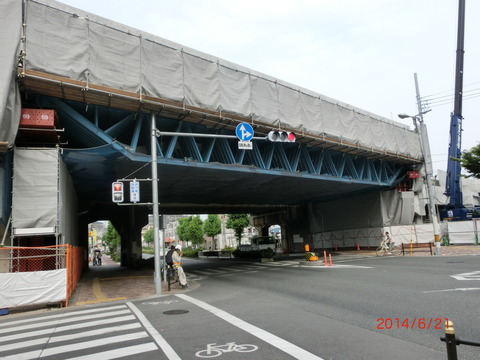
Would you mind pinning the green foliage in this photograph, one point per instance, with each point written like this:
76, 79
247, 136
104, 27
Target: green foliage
470, 161
182, 228
192, 253
238, 222
146, 250
195, 231
112, 239
191, 229
212, 227
148, 236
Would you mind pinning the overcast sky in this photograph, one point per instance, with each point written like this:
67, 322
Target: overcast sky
361, 52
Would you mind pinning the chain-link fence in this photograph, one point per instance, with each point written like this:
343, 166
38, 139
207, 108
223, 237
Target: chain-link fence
18, 262
23, 259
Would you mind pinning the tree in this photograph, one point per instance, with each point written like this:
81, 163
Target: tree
212, 227
238, 222
470, 161
112, 239
182, 228
148, 236
191, 229
195, 231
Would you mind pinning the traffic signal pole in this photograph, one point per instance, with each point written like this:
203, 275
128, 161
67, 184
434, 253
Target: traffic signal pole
156, 222
117, 187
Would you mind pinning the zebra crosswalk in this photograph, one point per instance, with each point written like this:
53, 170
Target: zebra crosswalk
231, 270
84, 334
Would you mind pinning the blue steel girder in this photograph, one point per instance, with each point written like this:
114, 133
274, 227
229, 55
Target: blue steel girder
99, 126
136, 133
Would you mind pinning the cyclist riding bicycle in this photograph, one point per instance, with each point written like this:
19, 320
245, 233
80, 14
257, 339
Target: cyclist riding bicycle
387, 246
389, 242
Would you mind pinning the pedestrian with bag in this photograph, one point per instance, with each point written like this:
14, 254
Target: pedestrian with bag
177, 263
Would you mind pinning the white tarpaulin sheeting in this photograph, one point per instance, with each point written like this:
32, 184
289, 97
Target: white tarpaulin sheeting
31, 288
10, 35
462, 232
68, 42
35, 189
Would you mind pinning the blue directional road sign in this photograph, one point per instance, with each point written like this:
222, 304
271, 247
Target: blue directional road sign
134, 191
244, 132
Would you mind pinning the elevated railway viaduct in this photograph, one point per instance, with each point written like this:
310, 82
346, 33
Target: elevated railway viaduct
106, 83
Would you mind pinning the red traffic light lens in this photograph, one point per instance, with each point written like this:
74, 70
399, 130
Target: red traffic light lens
291, 137
117, 187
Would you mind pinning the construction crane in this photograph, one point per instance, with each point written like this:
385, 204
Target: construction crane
455, 209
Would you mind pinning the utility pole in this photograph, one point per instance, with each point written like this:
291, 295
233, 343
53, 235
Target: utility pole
427, 158
156, 227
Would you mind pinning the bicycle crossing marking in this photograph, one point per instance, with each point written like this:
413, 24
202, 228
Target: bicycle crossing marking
276, 341
214, 350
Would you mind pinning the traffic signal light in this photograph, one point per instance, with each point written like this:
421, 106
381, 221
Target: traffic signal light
281, 136
117, 192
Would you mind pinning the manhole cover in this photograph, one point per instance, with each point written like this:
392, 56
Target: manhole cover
175, 312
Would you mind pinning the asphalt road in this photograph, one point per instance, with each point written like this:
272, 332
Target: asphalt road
361, 308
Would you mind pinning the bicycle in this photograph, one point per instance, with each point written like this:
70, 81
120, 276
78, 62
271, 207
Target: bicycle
384, 249
172, 276
214, 350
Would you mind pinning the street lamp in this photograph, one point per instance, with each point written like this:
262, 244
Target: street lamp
427, 159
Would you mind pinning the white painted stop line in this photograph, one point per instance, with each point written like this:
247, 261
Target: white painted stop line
279, 343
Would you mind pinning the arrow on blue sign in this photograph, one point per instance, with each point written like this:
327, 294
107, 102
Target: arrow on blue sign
244, 131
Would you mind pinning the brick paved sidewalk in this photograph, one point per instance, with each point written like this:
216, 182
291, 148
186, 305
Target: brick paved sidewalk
111, 282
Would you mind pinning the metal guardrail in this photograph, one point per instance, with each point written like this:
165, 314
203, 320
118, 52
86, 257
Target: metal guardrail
452, 341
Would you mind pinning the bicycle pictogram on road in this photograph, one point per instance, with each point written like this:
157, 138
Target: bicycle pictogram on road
214, 350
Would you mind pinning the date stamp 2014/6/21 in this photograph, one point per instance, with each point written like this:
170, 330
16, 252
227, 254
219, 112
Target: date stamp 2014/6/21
413, 323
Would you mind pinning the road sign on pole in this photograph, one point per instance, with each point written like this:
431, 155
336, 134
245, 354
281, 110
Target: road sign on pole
245, 145
134, 191
244, 132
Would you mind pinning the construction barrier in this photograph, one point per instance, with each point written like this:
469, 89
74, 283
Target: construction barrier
39, 275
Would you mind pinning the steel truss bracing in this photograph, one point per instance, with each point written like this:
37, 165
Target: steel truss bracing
92, 126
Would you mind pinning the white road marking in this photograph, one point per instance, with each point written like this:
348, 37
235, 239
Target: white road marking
279, 343
37, 324
167, 349
102, 322
118, 353
80, 335
64, 315
467, 276
448, 290
75, 347
337, 266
